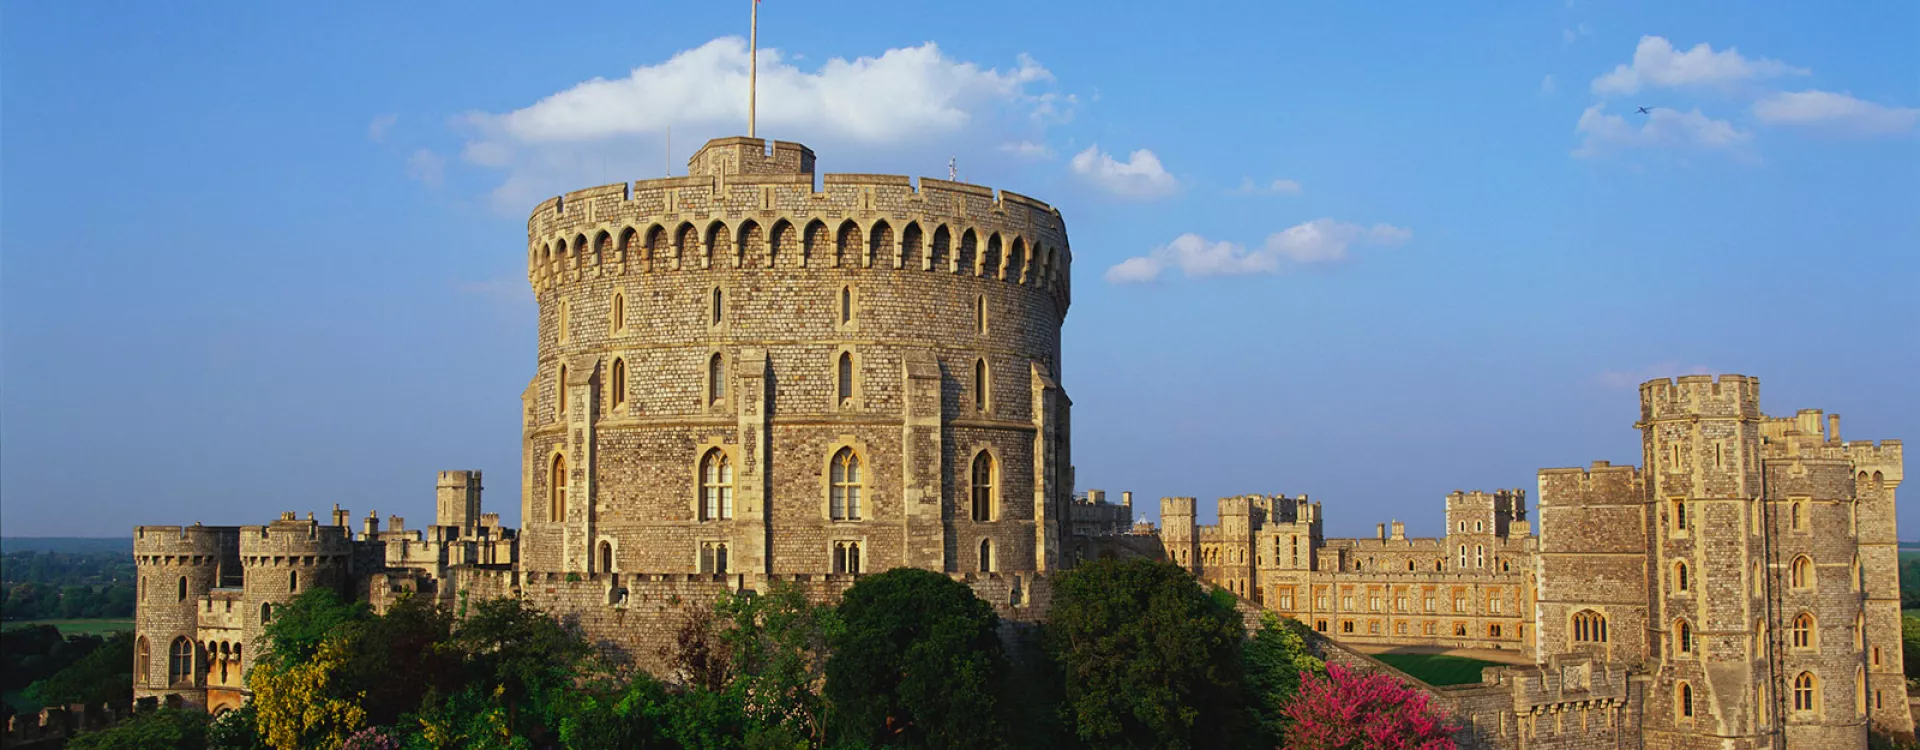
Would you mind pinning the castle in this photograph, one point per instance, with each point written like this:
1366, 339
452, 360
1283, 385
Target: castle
1740, 590
743, 377
752, 375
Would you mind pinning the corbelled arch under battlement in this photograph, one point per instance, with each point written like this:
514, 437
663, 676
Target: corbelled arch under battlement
725, 217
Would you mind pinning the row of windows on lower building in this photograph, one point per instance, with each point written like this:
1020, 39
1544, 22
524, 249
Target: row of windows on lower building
1461, 605
845, 487
845, 557
1459, 629
1805, 697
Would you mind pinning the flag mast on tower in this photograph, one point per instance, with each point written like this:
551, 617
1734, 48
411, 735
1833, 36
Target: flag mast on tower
753, 66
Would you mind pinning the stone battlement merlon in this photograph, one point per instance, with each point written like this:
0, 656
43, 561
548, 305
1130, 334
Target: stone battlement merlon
768, 220
1691, 396
184, 541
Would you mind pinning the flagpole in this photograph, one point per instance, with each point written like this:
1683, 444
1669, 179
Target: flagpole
753, 67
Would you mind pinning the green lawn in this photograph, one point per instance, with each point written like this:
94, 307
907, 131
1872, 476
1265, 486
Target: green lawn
78, 627
1437, 669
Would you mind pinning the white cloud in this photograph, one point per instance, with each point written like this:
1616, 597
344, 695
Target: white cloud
1657, 64
1617, 379
377, 130
1314, 242
1027, 149
1140, 176
427, 166
1663, 128
1547, 84
913, 100
1276, 187
1572, 35
1839, 112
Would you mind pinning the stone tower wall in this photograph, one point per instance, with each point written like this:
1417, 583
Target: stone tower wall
915, 286
1878, 471
283, 559
178, 568
1593, 558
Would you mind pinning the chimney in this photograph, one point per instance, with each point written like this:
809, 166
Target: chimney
1399, 531
1833, 428
1380, 530
371, 527
1126, 498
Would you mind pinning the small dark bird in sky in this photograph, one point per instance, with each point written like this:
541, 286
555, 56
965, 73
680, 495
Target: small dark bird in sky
1645, 111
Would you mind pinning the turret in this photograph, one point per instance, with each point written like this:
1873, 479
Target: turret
178, 567
1180, 532
457, 498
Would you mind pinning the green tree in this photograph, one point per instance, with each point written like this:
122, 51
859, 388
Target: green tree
236, 730
519, 659
302, 704
173, 728
104, 675
778, 643
917, 662
297, 628
1149, 659
1273, 660
398, 658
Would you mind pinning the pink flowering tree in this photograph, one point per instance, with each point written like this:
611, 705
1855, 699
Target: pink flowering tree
1349, 710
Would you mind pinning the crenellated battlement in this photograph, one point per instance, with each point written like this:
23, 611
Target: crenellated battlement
1690, 396
725, 217
192, 545
295, 542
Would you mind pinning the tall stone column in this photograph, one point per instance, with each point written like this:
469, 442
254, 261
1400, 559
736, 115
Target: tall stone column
921, 423
754, 399
583, 392
1048, 468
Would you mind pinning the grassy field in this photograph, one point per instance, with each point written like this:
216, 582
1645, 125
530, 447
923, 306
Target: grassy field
78, 627
1437, 669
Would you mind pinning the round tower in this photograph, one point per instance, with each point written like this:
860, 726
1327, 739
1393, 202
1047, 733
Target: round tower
739, 373
178, 567
282, 560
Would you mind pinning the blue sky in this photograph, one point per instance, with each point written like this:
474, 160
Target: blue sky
261, 257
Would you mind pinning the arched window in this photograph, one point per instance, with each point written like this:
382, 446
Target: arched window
1479, 556
619, 383
557, 490
983, 486
1804, 688
1860, 690
718, 307
980, 384
619, 313
1680, 581
180, 661
843, 486
1679, 515
142, 661
293, 581
716, 486
1800, 574
846, 557
564, 312
980, 314
846, 378
1588, 626
1683, 700
1803, 631
713, 557
266, 612
846, 305
606, 557
716, 379
560, 392
1798, 514
183, 588
986, 555
1683, 636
